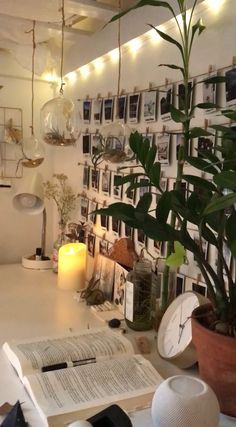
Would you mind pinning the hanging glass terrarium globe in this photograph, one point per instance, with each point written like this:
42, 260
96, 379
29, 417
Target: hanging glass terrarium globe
58, 114
58, 122
114, 141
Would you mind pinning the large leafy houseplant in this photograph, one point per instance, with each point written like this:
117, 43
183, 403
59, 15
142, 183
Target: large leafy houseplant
207, 208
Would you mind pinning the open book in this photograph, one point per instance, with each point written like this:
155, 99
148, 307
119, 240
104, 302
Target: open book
73, 377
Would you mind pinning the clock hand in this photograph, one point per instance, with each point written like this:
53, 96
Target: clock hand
180, 322
182, 326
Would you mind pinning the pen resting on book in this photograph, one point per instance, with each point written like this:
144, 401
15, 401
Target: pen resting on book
69, 364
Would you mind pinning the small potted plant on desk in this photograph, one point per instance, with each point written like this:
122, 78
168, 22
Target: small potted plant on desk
210, 210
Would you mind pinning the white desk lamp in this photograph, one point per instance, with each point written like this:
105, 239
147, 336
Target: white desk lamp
29, 200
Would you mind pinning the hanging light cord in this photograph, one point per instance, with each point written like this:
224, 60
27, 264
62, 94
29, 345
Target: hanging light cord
119, 50
62, 43
32, 76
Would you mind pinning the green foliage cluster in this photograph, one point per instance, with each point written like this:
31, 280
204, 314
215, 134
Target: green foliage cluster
207, 208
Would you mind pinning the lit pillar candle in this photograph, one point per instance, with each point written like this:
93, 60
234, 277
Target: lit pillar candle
72, 266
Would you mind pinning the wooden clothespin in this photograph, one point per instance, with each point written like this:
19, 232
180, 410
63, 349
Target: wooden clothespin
166, 82
234, 61
210, 69
147, 130
135, 89
84, 194
99, 96
97, 132
122, 91
104, 203
151, 86
106, 168
104, 236
85, 163
109, 95
131, 170
163, 129
94, 199
87, 97
206, 124
199, 277
86, 131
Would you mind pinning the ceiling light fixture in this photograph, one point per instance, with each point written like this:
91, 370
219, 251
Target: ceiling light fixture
58, 114
32, 148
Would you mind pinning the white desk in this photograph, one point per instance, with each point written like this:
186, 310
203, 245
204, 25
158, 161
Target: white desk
31, 305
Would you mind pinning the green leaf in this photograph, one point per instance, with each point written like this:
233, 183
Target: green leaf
142, 152
199, 182
135, 140
230, 233
150, 158
167, 38
155, 174
141, 4
173, 67
214, 80
198, 27
230, 114
196, 132
202, 165
220, 203
163, 207
120, 211
226, 179
205, 105
177, 258
158, 231
144, 203
127, 178
177, 115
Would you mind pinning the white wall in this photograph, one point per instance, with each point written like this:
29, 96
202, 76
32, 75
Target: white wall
19, 233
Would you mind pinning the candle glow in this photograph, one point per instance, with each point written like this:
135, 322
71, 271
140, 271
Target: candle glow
72, 266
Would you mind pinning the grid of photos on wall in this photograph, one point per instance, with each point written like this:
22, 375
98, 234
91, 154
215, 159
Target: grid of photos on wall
148, 111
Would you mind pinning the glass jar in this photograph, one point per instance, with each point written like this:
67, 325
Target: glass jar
138, 296
59, 242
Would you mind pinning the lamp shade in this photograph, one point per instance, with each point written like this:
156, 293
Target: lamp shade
29, 197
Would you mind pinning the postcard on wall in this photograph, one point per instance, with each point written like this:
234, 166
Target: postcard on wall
94, 179
121, 107
165, 100
199, 287
115, 226
116, 190
133, 107
95, 143
106, 284
91, 239
163, 149
181, 95
108, 106
86, 175
141, 238
87, 107
119, 287
180, 284
128, 231
106, 182
150, 137
92, 216
86, 144
145, 186
104, 222
230, 87
97, 111
103, 247
149, 105
209, 93
129, 194
84, 205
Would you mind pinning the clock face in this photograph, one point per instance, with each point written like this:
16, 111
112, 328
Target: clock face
175, 332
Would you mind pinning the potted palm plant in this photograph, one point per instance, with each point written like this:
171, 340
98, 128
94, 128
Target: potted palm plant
210, 209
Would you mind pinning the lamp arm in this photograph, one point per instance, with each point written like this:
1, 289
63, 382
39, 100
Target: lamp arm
43, 236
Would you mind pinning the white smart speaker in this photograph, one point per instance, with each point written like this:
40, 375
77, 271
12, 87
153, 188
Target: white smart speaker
185, 401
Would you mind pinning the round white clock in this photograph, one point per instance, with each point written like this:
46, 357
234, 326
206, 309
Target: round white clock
174, 340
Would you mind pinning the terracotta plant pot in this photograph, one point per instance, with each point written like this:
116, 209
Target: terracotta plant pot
217, 361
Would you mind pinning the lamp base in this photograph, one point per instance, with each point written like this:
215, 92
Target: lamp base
33, 264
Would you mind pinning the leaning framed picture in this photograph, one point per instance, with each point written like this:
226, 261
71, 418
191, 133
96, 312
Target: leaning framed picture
119, 287
149, 105
133, 107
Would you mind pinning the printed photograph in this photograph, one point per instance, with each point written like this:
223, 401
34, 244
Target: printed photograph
119, 287
106, 180
133, 108
129, 194
166, 99
86, 141
141, 237
108, 110
150, 137
95, 173
128, 232
145, 186
92, 215
200, 288
86, 174
91, 244
104, 222
103, 247
227, 256
97, 111
181, 95
230, 87
84, 204
163, 149
106, 284
204, 246
206, 144
121, 107
116, 189
116, 225
95, 144
87, 106
179, 143
149, 105
180, 284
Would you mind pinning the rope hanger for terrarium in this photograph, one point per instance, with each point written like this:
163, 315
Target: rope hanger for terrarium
32, 75
62, 9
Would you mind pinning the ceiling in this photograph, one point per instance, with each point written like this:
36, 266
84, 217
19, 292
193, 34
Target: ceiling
82, 18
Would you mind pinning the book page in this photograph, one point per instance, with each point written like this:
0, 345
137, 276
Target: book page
31, 355
89, 386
